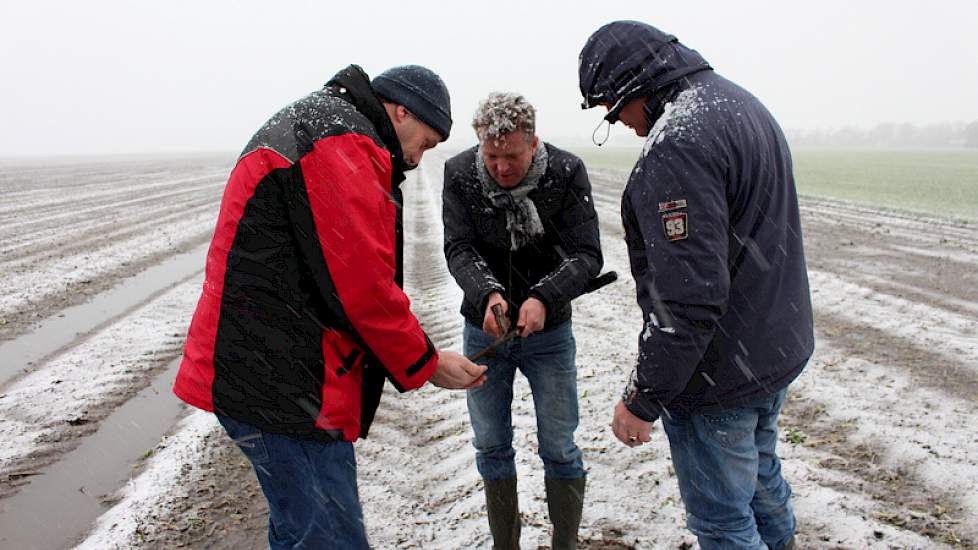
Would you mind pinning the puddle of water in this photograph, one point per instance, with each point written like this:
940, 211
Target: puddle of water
59, 505
26, 352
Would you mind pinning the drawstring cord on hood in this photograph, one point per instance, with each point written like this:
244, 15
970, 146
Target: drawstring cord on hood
607, 133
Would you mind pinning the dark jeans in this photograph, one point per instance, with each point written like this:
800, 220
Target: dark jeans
311, 488
547, 360
730, 477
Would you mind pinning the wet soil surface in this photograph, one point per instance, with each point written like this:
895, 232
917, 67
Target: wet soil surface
919, 259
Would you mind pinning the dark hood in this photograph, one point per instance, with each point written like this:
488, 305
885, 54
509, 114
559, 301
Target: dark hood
627, 59
353, 85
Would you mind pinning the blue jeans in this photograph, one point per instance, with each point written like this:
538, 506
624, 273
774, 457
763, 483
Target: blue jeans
730, 477
547, 360
311, 488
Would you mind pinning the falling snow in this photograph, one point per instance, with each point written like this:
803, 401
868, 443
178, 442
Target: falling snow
878, 439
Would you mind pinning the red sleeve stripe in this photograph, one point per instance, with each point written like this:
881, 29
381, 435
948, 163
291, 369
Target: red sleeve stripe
347, 179
196, 377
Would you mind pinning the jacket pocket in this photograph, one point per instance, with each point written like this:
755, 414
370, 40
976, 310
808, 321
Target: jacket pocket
247, 438
342, 381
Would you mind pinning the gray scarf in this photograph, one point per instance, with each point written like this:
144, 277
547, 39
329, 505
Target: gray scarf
522, 219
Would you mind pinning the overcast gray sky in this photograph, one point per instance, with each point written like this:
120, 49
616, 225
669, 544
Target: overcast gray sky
119, 76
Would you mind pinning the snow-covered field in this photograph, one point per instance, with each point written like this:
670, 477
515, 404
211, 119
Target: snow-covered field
879, 438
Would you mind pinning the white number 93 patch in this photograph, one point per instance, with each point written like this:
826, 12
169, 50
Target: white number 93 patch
675, 224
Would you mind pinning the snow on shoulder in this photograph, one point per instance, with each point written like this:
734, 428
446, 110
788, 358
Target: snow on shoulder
677, 118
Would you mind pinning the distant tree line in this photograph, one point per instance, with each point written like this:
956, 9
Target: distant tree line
890, 135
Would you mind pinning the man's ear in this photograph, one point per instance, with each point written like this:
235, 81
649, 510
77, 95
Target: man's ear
534, 143
397, 113
401, 113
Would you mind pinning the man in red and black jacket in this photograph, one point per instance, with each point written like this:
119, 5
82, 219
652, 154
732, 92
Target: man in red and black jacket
302, 316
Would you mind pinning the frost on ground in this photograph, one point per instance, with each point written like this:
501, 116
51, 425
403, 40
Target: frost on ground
71, 229
878, 439
88, 381
132, 522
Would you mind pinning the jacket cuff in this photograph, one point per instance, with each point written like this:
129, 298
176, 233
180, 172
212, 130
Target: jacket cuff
418, 373
484, 299
546, 301
425, 373
641, 406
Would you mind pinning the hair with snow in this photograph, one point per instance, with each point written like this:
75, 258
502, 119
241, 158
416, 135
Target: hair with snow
502, 113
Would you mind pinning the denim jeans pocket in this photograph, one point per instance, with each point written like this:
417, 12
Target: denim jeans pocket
247, 438
253, 446
727, 428
723, 417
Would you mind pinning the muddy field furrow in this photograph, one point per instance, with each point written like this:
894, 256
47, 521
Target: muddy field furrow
71, 206
142, 203
876, 439
26, 174
920, 227
60, 274
40, 304
169, 220
884, 262
111, 231
28, 188
448, 486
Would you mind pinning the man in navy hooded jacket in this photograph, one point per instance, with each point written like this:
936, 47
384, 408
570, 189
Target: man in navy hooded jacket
712, 226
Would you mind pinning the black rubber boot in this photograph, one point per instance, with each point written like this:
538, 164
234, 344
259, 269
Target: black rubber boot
565, 502
504, 513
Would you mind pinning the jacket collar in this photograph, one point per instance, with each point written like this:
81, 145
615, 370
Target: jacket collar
359, 92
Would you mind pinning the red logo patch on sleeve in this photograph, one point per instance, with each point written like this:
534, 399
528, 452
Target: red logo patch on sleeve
676, 225
672, 205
